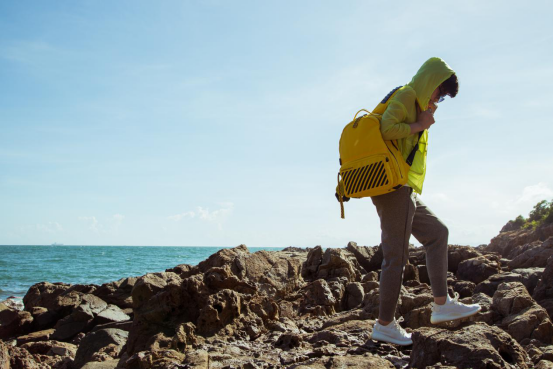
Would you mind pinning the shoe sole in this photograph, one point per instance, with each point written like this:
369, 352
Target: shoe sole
435, 319
377, 336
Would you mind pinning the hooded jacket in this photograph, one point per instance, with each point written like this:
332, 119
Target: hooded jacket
402, 111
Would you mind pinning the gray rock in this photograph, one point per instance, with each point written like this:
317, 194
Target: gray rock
111, 314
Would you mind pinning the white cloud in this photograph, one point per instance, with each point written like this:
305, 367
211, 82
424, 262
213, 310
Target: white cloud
531, 195
216, 216
179, 217
51, 227
93, 223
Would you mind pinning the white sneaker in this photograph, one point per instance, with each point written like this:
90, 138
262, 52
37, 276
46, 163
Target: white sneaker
391, 333
452, 310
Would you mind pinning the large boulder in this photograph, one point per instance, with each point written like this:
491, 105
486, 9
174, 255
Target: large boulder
489, 286
478, 269
81, 318
476, 346
457, 254
522, 316
529, 277
370, 258
14, 322
118, 292
100, 345
333, 263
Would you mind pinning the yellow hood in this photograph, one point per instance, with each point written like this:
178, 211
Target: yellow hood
432, 73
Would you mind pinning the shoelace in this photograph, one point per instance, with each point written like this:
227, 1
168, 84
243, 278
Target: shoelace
399, 328
455, 300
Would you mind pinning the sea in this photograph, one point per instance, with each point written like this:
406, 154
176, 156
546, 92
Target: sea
23, 266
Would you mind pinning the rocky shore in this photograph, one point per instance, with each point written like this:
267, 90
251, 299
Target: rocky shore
295, 308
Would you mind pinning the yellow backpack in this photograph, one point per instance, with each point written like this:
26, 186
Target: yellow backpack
370, 166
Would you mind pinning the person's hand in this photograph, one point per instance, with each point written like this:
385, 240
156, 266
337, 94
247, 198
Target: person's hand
426, 118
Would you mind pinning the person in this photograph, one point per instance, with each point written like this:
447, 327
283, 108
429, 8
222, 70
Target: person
407, 119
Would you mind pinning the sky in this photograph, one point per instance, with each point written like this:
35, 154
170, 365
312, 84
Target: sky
216, 123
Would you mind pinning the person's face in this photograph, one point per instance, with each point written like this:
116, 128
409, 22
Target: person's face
435, 97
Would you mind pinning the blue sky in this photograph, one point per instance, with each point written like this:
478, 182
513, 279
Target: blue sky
216, 123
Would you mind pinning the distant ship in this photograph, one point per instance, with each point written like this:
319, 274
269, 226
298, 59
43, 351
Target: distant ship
56, 244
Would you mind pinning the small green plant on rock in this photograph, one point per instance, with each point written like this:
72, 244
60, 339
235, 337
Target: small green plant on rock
541, 214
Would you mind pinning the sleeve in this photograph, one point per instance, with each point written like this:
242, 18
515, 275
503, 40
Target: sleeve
393, 124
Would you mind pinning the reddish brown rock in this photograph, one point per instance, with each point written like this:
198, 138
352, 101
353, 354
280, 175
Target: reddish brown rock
370, 258
476, 346
333, 263
117, 293
14, 322
35, 336
4, 356
522, 316
507, 243
533, 255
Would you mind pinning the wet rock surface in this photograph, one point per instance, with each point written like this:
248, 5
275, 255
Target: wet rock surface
294, 308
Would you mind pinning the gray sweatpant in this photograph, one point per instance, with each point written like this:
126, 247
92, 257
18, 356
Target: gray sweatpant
401, 213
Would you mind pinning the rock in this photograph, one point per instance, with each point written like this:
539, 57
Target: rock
522, 316
111, 314
487, 314
22, 359
35, 336
370, 258
533, 255
125, 326
354, 295
184, 270
117, 293
13, 322
544, 289
108, 364
478, 269
4, 356
51, 348
423, 274
333, 263
44, 294
489, 286
156, 359
464, 288
94, 342
220, 310
508, 244
358, 362
42, 318
529, 277
288, 341
476, 346
457, 254
13, 303
410, 273
318, 299
544, 364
